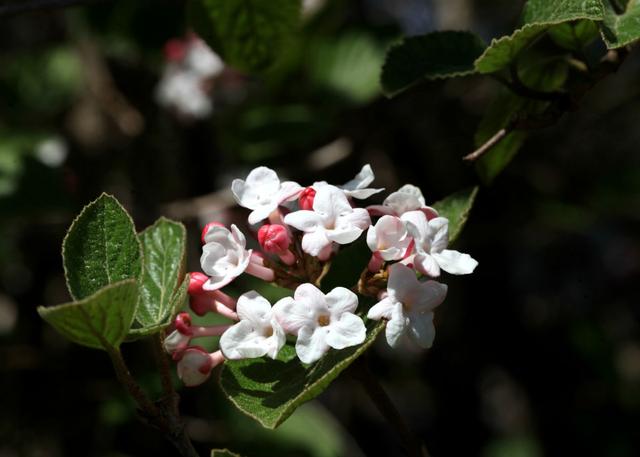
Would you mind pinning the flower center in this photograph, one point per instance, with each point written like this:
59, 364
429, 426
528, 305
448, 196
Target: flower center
268, 332
323, 320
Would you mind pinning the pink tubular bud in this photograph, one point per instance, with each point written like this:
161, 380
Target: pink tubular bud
375, 263
206, 229
306, 198
174, 50
196, 280
274, 238
183, 324
195, 365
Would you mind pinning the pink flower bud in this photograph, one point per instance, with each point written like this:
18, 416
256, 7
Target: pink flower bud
176, 342
196, 280
195, 365
306, 198
274, 238
183, 324
174, 50
206, 229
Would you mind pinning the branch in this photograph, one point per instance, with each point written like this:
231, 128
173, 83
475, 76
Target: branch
23, 6
491, 142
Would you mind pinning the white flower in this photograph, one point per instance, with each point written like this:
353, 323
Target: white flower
389, 238
431, 239
320, 321
195, 365
182, 90
409, 304
357, 187
224, 256
263, 192
407, 198
332, 220
200, 59
258, 333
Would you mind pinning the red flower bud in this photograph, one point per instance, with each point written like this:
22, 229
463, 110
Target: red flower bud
183, 324
306, 198
206, 228
196, 280
274, 238
174, 50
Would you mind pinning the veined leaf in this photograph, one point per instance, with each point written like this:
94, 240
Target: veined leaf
248, 34
163, 246
502, 51
619, 30
574, 36
101, 248
270, 390
100, 321
435, 55
456, 207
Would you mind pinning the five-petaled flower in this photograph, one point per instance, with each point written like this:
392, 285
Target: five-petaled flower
224, 256
407, 198
408, 304
320, 321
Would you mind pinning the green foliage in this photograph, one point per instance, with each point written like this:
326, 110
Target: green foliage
223, 453
456, 207
101, 248
621, 29
574, 36
347, 266
431, 56
248, 34
270, 390
163, 246
557, 11
503, 51
100, 321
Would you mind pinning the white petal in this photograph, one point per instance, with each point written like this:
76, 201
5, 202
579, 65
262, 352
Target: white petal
289, 190
357, 217
242, 342
455, 262
313, 243
330, 202
427, 296
261, 213
292, 315
417, 225
176, 341
341, 300
361, 194
275, 342
348, 331
440, 233
396, 326
343, 235
304, 220
426, 265
407, 198
312, 343
265, 179
238, 236
402, 281
361, 180
311, 298
382, 309
372, 238
254, 308
421, 329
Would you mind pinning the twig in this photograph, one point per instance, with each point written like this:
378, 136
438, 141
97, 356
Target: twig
23, 6
165, 374
360, 371
491, 142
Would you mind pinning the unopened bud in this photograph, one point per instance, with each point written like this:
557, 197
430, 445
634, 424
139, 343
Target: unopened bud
195, 365
183, 324
274, 238
306, 198
174, 50
196, 280
206, 229
176, 342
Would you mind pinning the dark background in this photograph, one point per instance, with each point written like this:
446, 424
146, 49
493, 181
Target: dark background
537, 353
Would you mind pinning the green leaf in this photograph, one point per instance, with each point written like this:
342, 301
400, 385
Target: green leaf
248, 34
539, 15
431, 56
456, 207
619, 30
574, 36
101, 248
177, 303
100, 321
557, 11
163, 246
223, 453
270, 390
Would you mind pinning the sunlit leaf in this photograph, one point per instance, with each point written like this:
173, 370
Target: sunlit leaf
456, 207
619, 30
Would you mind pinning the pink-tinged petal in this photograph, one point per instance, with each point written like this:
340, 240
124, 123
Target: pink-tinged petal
254, 308
364, 177
348, 331
430, 212
292, 315
341, 300
426, 265
381, 210
382, 309
306, 221
289, 190
331, 201
440, 233
217, 234
396, 326
417, 225
315, 243
455, 262
372, 238
358, 217
422, 330
242, 341
402, 281
361, 194
176, 342
312, 343
427, 296
195, 365
407, 198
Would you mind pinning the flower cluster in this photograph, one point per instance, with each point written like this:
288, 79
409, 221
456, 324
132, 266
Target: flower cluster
299, 230
186, 84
